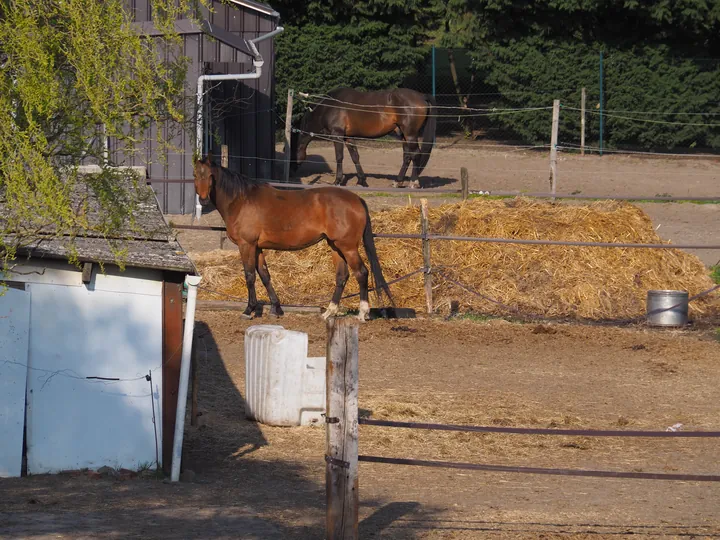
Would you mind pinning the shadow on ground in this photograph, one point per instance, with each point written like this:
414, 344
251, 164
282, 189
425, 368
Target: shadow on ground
224, 495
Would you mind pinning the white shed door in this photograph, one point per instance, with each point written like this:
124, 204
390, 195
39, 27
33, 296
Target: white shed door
76, 422
14, 330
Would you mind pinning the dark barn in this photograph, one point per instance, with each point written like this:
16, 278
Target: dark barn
238, 114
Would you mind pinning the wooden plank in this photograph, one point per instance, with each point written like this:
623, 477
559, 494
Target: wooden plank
288, 134
87, 272
341, 470
224, 161
425, 227
553, 146
464, 183
582, 122
148, 28
225, 305
172, 352
226, 37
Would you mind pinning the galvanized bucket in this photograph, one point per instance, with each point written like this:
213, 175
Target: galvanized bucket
667, 308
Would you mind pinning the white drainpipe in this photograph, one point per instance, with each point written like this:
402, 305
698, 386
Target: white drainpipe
192, 283
258, 63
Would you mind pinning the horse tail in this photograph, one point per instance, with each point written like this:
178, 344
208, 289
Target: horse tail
369, 242
428, 133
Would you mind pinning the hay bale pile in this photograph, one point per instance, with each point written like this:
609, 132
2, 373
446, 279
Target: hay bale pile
555, 281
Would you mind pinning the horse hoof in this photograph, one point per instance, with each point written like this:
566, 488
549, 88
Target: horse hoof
247, 316
364, 311
276, 311
414, 185
396, 185
331, 311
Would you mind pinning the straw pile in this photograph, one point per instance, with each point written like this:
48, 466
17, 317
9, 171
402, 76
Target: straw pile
555, 281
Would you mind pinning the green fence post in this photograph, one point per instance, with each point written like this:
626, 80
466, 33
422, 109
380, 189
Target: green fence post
433, 70
601, 102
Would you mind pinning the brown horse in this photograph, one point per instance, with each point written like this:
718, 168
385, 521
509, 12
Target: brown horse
347, 113
258, 217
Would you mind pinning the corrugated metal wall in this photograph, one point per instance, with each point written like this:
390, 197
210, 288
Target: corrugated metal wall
247, 127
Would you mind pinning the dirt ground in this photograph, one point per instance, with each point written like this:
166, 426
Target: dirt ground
259, 482
255, 481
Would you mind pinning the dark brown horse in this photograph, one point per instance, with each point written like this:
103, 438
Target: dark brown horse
346, 113
258, 217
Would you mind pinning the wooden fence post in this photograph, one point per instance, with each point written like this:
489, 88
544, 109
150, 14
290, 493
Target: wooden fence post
341, 453
425, 227
553, 146
464, 183
582, 122
288, 134
225, 162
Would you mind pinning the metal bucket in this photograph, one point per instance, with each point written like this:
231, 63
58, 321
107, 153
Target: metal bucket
658, 303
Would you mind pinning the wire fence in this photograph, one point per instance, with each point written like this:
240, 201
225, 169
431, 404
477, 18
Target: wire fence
342, 455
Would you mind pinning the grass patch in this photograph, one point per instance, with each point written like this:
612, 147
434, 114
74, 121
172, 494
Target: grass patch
715, 273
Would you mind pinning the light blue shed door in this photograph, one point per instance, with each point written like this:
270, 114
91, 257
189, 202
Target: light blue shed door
14, 333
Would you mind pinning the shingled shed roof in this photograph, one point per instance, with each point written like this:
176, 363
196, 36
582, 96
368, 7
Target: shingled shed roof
149, 242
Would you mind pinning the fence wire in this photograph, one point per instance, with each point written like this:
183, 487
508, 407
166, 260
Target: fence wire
538, 470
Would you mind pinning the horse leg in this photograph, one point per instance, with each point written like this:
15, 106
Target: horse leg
352, 149
249, 257
338, 161
341, 276
264, 273
361, 274
414, 152
403, 169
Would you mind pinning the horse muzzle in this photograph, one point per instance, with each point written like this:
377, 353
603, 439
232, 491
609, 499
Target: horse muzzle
204, 200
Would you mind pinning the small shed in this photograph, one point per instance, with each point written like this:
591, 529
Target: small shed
90, 356
239, 114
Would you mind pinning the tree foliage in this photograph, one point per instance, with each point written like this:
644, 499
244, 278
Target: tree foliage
526, 54
66, 69
367, 44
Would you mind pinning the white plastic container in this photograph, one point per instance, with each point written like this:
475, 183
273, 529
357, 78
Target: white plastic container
283, 387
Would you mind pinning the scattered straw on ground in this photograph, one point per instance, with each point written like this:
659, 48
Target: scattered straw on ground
555, 281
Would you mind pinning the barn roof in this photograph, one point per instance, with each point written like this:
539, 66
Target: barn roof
149, 242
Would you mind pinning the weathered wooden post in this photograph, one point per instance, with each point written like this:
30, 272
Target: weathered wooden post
553, 146
288, 134
225, 162
425, 228
341, 417
464, 183
582, 122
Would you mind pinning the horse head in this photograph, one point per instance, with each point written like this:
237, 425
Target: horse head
203, 171
299, 141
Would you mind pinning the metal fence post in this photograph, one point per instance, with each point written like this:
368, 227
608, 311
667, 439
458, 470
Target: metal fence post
601, 102
433, 70
582, 122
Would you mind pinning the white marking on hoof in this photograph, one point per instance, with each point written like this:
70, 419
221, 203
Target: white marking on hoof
414, 185
364, 310
395, 184
331, 310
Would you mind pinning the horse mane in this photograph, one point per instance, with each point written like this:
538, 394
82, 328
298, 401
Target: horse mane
235, 184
